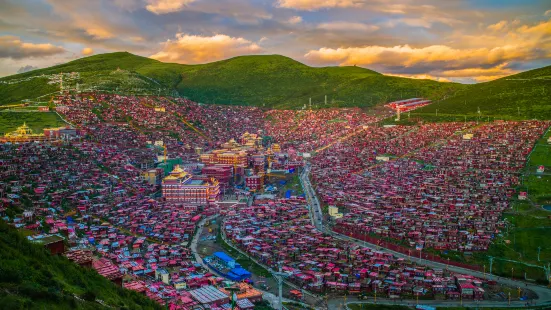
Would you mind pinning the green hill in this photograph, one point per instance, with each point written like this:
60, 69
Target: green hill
270, 80
525, 95
31, 278
281, 82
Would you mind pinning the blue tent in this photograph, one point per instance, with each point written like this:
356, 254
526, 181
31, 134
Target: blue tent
238, 274
224, 257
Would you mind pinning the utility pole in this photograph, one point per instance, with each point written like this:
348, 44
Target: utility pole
325, 99
539, 250
491, 263
232, 290
279, 278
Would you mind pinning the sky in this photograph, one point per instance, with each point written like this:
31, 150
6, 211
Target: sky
465, 41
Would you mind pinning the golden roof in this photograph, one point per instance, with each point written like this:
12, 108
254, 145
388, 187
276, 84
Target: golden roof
177, 173
178, 169
23, 131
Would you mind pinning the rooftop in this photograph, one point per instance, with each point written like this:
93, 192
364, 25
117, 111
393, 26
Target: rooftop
208, 294
45, 239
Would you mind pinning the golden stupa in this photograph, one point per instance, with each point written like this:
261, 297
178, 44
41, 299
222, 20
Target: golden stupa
23, 134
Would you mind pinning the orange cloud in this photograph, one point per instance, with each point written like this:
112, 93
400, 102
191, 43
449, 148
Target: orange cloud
312, 5
87, 51
404, 55
481, 74
541, 29
482, 58
13, 47
421, 77
167, 6
498, 26
192, 49
99, 32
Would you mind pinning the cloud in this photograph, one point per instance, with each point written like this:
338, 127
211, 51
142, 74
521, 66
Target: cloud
295, 20
192, 49
347, 26
13, 47
407, 56
26, 68
87, 51
414, 22
481, 74
313, 5
481, 58
547, 13
498, 26
99, 32
421, 77
129, 5
167, 6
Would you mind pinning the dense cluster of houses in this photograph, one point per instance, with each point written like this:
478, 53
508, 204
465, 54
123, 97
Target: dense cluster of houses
280, 232
448, 192
442, 186
308, 130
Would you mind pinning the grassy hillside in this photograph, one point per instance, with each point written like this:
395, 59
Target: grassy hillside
281, 82
31, 278
522, 96
271, 81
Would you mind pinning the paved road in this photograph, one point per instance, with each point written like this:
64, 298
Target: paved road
316, 215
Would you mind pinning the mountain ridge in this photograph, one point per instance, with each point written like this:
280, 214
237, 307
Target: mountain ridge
277, 81
263, 80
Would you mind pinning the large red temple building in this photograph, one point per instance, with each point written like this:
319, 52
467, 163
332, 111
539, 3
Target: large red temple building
181, 187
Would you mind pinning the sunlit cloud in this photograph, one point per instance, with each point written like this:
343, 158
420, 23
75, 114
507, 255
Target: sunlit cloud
480, 74
312, 5
407, 56
190, 49
489, 60
498, 26
421, 77
167, 6
13, 47
99, 33
87, 51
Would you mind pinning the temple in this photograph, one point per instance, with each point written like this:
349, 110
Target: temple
25, 134
181, 187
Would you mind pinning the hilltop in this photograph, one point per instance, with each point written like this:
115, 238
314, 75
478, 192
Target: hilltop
267, 80
31, 278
